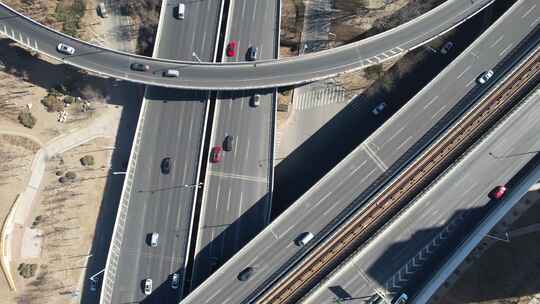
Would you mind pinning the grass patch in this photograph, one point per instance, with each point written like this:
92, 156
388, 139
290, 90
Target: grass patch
70, 16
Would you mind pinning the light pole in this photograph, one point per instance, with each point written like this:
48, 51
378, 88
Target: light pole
498, 238
194, 185
98, 273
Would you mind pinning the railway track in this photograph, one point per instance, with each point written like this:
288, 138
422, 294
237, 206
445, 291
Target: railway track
410, 183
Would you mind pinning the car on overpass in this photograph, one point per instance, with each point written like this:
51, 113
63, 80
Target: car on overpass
231, 48
166, 165
215, 154
148, 286
484, 77
141, 67
65, 49
498, 192
245, 274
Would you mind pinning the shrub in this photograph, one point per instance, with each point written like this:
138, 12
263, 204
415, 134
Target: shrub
52, 103
71, 175
87, 160
59, 173
69, 99
374, 72
27, 270
62, 179
27, 120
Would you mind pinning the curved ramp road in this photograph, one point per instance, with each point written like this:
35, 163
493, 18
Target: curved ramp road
239, 76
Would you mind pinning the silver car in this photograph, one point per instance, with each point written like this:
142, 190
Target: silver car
66, 49
175, 281
484, 77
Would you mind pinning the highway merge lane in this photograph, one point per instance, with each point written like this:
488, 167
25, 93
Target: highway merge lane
350, 179
377, 268
173, 127
236, 202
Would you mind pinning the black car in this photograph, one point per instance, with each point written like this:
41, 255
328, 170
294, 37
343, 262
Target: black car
140, 67
166, 164
245, 274
228, 143
251, 54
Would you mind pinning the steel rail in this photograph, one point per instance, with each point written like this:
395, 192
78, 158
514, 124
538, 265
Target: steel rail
411, 182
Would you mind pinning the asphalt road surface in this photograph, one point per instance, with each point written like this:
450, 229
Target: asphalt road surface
236, 203
173, 127
386, 263
350, 180
266, 74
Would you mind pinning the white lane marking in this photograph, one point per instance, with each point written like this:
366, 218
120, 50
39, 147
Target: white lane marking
506, 49
497, 41
392, 137
439, 111
403, 143
375, 158
355, 170
366, 177
464, 71
431, 101
528, 11
229, 201
472, 81
534, 22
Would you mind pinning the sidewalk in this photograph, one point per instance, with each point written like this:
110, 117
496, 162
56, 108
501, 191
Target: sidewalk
21, 209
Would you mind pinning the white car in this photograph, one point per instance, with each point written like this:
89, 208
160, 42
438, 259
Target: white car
66, 49
484, 77
175, 281
147, 286
379, 108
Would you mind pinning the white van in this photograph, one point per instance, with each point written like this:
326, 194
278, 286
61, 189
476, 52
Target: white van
154, 239
171, 73
304, 238
180, 11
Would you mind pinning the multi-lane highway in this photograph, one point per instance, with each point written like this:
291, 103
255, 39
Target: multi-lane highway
236, 201
240, 76
172, 124
391, 262
350, 181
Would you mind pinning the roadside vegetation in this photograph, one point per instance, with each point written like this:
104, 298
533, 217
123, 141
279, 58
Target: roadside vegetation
69, 15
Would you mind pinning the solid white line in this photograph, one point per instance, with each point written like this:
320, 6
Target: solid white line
375, 158
528, 11
534, 22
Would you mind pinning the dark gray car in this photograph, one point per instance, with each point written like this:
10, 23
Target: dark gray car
251, 54
228, 143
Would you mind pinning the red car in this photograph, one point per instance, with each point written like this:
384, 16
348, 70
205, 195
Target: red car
231, 48
215, 154
498, 192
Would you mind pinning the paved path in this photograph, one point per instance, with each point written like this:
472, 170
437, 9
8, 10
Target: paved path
20, 211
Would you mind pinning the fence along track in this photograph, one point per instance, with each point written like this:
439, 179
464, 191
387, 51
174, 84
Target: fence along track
411, 182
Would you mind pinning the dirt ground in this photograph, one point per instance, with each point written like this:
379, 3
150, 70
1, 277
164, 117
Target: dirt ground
507, 273
351, 20
68, 213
